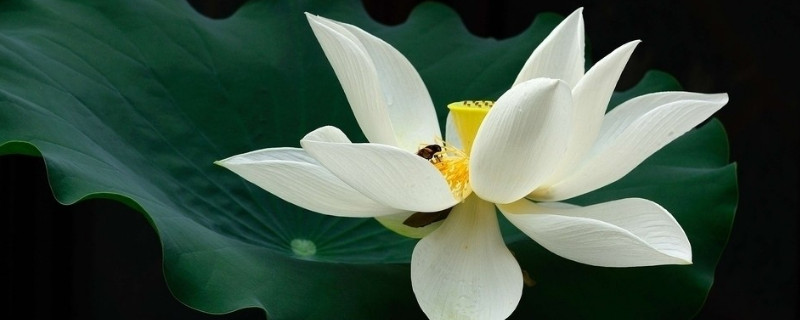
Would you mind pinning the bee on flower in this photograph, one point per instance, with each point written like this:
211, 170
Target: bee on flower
545, 140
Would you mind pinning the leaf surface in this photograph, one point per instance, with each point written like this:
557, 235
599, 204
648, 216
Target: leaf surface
135, 100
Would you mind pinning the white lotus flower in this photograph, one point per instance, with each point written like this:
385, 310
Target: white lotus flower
546, 139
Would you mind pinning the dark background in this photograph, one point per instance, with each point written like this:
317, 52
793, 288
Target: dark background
99, 259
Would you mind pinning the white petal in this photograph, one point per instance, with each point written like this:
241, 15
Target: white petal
463, 270
521, 140
395, 223
410, 106
386, 174
328, 134
560, 55
623, 233
621, 117
296, 177
385, 92
590, 98
358, 77
630, 135
451, 133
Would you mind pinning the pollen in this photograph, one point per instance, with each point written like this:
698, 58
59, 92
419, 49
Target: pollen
452, 162
454, 166
456, 173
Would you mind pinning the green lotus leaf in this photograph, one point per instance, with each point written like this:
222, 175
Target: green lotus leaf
134, 101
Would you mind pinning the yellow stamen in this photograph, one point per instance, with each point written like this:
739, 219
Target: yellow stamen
450, 161
467, 116
454, 166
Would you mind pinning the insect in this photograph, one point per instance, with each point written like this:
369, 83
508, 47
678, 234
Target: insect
430, 151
